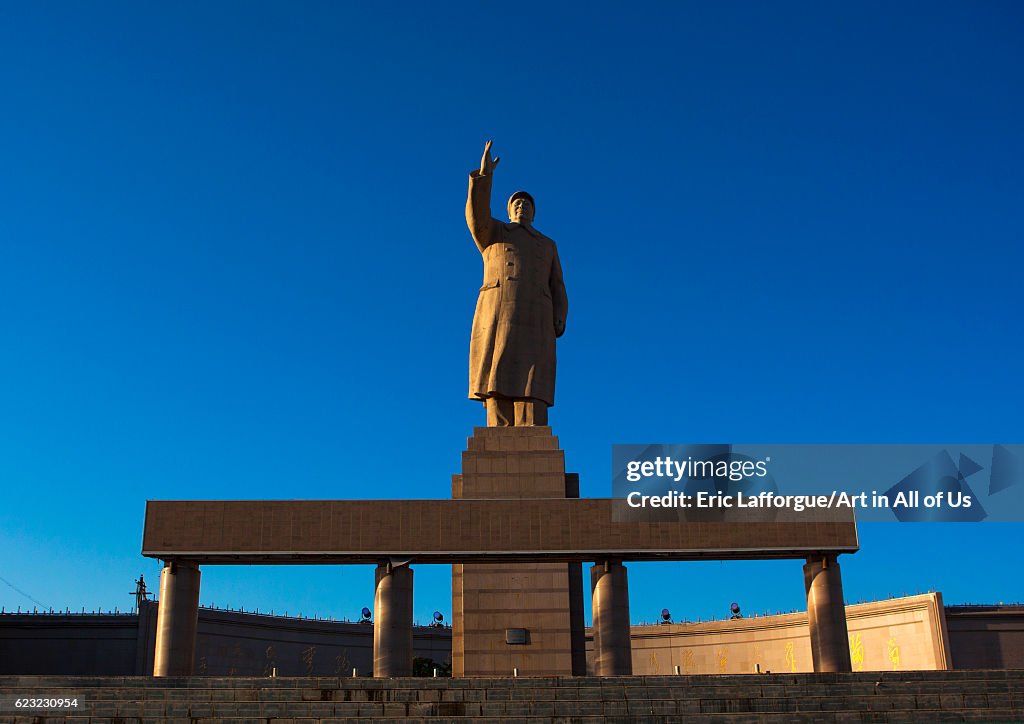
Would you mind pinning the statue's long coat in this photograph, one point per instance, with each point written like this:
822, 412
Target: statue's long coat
512, 350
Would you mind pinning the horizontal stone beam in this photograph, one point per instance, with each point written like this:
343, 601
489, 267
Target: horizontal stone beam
464, 531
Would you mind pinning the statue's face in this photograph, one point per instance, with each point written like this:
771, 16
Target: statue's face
520, 211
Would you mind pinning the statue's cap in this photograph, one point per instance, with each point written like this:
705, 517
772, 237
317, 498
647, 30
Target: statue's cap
521, 195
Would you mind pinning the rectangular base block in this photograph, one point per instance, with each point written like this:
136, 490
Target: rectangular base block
542, 599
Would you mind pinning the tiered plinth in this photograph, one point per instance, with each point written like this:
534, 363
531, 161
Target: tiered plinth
526, 618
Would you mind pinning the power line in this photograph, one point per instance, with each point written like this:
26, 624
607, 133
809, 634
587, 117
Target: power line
34, 600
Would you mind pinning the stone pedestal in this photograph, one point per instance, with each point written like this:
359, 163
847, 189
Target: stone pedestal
392, 624
826, 615
613, 654
527, 616
177, 619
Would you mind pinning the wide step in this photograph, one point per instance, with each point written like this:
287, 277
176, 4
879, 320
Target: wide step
963, 696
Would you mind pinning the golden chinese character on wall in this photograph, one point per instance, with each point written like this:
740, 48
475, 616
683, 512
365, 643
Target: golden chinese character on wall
688, 663
307, 656
856, 652
343, 665
893, 652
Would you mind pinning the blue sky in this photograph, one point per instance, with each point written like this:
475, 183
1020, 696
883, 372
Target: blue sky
233, 263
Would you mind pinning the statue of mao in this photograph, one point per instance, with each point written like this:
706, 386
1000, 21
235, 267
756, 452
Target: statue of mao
520, 311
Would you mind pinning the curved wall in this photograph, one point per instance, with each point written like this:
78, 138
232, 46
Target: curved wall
898, 634
914, 632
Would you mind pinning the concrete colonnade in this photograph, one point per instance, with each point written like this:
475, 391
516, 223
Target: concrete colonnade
178, 615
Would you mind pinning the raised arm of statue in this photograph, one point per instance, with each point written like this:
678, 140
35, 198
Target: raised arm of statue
488, 164
478, 206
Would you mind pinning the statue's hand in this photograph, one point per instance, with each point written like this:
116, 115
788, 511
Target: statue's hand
488, 164
559, 327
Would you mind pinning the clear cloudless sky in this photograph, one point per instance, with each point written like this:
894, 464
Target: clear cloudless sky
234, 263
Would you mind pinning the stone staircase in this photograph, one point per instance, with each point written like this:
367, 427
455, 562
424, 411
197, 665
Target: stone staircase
921, 696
